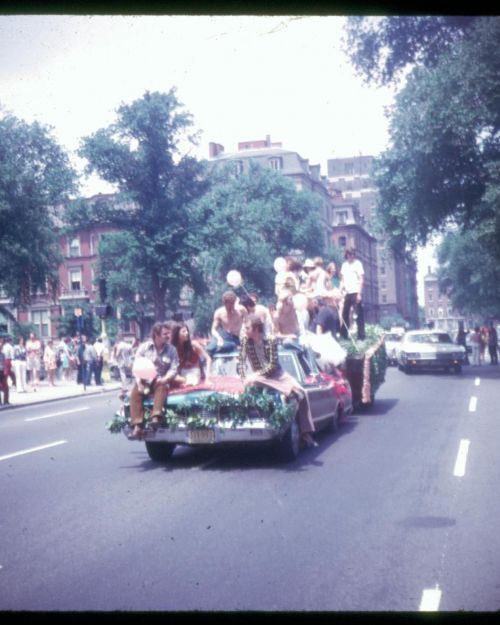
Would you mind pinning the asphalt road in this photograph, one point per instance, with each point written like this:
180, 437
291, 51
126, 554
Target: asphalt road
398, 511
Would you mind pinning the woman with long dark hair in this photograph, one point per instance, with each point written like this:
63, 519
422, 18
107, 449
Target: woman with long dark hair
192, 357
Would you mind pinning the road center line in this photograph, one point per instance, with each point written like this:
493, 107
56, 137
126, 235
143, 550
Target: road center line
431, 598
463, 450
31, 450
477, 381
473, 404
57, 414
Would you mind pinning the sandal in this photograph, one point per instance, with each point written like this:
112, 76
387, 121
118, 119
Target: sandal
137, 434
155, 422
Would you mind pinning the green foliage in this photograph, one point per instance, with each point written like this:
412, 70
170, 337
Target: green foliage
140, 153
470, 274
389, 321
35, 176
381, 48
253, 403
67, 322
442, 172
373, 334
246, 221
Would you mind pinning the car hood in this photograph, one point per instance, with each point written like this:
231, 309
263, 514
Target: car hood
221, 384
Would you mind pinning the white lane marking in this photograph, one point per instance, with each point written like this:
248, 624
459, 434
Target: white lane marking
459, 470
31, 450
477, 381
431, 598
473, 404
57, 414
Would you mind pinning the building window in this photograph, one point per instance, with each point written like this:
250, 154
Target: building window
383, 284
430, 296
440, 312
342, 241
450, 312
276, 163
40, 319
94, 244
74, 247
349, 169
382, 270
431, 312
75, 279
384, 299
342, 217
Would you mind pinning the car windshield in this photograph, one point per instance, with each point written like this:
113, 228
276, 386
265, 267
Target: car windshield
434, 337
393, 337
225, 365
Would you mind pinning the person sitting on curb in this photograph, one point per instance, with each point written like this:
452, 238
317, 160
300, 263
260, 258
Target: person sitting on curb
166, 361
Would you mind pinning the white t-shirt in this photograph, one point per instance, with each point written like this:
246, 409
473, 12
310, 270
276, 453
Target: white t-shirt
352, 274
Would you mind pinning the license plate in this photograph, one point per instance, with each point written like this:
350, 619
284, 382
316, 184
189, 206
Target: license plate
201, 436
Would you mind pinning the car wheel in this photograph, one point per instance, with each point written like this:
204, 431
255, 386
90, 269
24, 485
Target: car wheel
160, 452
288, 447
458, 369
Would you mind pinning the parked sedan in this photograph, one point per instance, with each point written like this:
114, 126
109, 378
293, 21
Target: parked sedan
429, 349
207, 415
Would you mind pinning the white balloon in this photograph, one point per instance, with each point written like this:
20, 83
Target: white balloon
144, 369
279, 264
234, 278
299, 301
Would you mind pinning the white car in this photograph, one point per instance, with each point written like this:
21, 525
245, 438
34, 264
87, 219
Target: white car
429, 349
392, 342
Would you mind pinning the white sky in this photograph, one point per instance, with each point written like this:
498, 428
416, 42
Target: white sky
241, 77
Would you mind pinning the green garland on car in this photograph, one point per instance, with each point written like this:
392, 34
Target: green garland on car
254, 402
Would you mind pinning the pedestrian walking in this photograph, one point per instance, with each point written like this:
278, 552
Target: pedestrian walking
475, 341
4, 387
493, 345
20, 365
8, 351
33, 359
483, 342
99, 350
50, 361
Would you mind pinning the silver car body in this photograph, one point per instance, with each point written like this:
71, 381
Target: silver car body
422, 349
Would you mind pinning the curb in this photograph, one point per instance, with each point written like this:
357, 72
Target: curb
47, 401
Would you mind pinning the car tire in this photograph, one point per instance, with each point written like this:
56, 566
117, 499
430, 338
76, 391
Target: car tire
457, 369
288, 447
161, 451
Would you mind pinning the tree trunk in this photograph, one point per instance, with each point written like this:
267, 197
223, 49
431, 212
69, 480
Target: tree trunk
159, 291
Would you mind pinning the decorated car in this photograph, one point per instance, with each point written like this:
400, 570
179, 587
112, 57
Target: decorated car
222, 411
429, 349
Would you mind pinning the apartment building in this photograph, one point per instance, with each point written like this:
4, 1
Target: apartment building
438, 308
287, 162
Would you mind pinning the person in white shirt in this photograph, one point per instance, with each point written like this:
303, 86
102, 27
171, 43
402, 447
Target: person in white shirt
351, 284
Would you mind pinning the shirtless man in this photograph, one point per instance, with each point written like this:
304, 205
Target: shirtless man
226, 325
286, 323
251, 303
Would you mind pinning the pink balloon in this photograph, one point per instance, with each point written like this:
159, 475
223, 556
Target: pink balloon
144, 369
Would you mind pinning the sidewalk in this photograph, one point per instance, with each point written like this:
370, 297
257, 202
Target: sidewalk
62, 390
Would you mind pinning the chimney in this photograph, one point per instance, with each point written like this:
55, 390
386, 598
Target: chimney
214, 149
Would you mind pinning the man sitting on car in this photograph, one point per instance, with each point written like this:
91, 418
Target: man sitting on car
166, 361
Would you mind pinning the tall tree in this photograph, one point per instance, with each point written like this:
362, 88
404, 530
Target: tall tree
246, 221
35, 177
381, 48
141, 154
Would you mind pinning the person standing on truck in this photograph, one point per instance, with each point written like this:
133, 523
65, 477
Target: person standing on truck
166, 361
352, 277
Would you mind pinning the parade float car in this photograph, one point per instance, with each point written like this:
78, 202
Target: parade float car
429, 349
221, 411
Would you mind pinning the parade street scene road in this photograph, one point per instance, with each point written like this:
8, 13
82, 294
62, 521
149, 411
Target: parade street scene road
394, 511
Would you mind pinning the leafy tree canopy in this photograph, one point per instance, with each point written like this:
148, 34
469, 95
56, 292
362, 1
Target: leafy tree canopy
381, 48
141, 154
443, 166
35, 177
